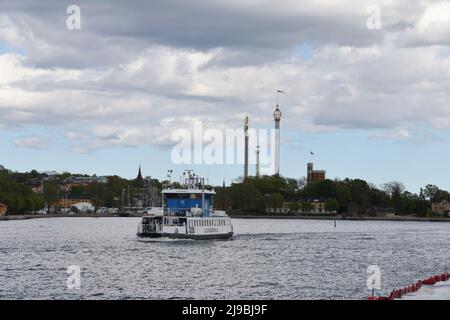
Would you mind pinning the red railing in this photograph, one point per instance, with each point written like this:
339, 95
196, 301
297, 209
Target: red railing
395, 294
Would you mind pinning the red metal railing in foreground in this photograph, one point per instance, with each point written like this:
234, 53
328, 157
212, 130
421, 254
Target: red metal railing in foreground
395, 294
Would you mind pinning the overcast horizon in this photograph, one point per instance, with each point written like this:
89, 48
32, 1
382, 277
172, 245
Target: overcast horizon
371, 103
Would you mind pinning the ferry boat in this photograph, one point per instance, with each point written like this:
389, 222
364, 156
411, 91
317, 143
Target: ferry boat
186, 213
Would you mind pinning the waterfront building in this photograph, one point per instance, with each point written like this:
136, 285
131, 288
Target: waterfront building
67, 202
85, 180
315, 206
51, 175
314, 175
3, 209
36, 185
442, 207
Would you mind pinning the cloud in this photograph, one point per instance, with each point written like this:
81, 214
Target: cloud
401, 134
134, 73
37, 143
432, 27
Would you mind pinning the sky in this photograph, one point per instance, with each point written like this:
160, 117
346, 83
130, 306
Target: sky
370, 102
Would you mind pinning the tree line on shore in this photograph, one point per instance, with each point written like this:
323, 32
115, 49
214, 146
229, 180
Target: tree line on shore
16, 190
253, 195
256, 194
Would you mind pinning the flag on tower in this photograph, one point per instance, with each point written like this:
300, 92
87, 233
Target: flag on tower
312, 153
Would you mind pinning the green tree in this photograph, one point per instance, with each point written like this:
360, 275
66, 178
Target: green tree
294, 207
431, 191
50, 193
306, 207
331, 205
275, 200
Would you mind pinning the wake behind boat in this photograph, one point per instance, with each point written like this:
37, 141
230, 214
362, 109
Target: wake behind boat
187, 213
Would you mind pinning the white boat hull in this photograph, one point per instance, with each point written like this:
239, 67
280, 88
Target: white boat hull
186, 236
195, 228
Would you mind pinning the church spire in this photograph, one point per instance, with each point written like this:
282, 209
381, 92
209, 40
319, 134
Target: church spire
139, 176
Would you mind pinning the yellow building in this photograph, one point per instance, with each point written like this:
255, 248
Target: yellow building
317, 207
3, 209
67, 203
442, 207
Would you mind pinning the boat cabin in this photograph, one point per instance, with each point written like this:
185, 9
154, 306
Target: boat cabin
188, 202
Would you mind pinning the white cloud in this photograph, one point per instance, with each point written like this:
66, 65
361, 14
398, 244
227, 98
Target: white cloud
118, 83
400, 134
37, 143
432, 27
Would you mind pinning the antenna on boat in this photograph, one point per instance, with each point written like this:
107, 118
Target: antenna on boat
169, 175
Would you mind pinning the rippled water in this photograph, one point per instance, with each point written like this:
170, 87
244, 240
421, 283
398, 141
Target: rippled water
266, 259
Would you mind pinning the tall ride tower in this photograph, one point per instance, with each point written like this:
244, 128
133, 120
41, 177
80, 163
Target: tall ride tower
246, 146
277, 118
257, 161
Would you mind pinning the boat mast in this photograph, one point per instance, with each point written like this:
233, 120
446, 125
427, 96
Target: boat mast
203, 196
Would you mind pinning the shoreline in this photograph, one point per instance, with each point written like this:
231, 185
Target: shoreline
396, 218
39, 216
239, 216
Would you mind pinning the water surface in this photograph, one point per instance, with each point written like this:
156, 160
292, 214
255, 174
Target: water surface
266, 259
